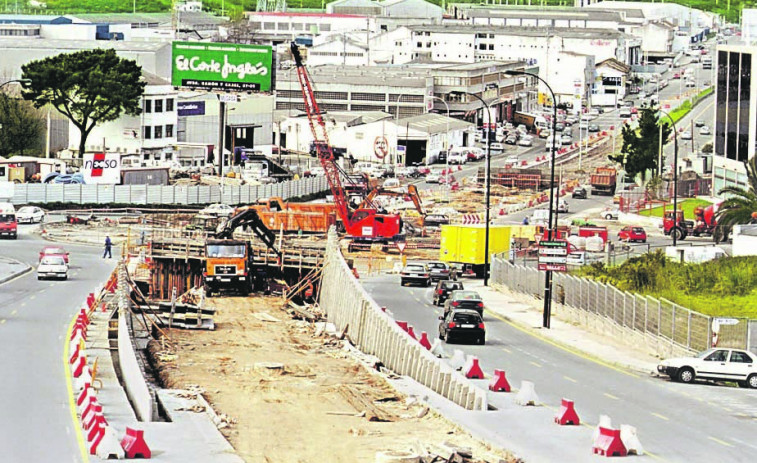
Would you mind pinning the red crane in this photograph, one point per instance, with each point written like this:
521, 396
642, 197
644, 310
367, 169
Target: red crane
363, 223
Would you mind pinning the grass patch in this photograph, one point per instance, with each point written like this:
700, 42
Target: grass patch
723, 287
687, 205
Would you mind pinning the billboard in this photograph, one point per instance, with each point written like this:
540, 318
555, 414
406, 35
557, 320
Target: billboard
222, 66
101, 168
191, 108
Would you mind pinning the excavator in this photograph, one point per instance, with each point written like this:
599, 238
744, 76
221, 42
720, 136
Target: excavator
362, 223
228, 261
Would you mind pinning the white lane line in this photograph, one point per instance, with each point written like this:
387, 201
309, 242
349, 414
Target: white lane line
662, 417
611, 396
2, 322
570, 379
32, 297
721, 442
14, 312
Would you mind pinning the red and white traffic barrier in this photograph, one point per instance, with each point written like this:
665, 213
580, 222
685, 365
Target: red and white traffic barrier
472, 369
527, 394
134, 444
567, 414
499, 382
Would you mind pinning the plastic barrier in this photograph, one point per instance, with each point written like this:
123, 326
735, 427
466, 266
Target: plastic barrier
567, 414
527, 394
609, 443
437, 349
424, 340
631, 439
499, 382
109, 448
402, 325
458, 360
472, 369
134, 444
79, 366
411, 332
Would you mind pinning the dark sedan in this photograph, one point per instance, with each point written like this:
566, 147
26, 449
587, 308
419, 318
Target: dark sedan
579, 193
443, 290
461, 324
464, 300
415, 273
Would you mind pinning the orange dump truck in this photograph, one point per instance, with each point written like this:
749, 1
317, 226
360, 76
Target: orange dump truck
277, 214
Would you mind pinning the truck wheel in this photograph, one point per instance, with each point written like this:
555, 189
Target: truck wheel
678, 234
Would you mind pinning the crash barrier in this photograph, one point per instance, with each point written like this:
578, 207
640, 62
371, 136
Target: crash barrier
656, 319
351, 309
101, 439
25, 193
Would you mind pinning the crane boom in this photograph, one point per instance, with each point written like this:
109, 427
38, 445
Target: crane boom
321, 137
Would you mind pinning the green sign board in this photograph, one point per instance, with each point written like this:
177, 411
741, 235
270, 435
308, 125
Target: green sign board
222, 66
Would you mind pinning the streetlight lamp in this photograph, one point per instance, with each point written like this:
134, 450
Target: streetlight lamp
446, 143
488, 179
675, 174
548, 278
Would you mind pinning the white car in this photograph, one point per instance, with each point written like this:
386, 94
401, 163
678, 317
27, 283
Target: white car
610, 214
30, 214
714, 364
526, 141
391, 183
433, 177
511, 160
52, 267
497, 147
562, 206
457, 157
686, 135
702, 131
218, 210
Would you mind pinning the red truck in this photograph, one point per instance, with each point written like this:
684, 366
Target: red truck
704, 224
8, 222
603, 181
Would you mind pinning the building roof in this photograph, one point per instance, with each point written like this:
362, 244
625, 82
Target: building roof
491, 11
152, 79
352, 118
524, 31
17, 158
342, 3
185, 18
615, 64
433, 123
284, 14
56, 44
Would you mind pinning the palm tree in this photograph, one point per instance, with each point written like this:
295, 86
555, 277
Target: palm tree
740, 206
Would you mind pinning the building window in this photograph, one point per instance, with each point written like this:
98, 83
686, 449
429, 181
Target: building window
325, 27
721, 98
169, 105
148, 132
744, 92
731, 125
148, 106
158, 106
158, 131
405, 98
169, 130
269, 26
330, 95
283, 26
360, 96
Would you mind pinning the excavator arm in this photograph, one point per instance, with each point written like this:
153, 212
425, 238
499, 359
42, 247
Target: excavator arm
248, 218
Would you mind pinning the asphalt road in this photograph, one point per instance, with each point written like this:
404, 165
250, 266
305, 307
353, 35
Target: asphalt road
676, 422
36, 423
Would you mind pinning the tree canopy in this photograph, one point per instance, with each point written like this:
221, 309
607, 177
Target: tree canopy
89, 87
640, 150
22, 127
740, 205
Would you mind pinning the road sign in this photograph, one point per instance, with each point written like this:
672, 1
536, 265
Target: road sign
228, 97
727, 321
470, 219
553, 251
553, 267
553, 244
401, 245
553, 259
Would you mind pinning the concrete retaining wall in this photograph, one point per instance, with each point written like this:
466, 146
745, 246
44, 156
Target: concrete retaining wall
349, 307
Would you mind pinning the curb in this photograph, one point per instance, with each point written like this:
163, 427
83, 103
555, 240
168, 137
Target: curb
15, 274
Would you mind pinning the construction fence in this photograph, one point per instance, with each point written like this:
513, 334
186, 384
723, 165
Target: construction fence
351, 309
26, 193
657, 317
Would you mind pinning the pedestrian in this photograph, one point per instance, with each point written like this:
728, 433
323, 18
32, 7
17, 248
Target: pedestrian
525, 220
108, 245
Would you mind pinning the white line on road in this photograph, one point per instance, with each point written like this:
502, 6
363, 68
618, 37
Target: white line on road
535, 364
32, 297
662, 417
721, 442
2, 322
611, 396
570, 379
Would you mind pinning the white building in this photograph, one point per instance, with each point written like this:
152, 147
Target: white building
151, 135
677, 14
609, 86
289, 25
749, 25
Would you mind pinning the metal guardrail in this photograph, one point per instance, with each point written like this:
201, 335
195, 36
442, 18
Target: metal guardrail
653, 316
26, 193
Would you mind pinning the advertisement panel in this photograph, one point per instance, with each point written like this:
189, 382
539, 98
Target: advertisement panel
190, 108
101, 168
222, 66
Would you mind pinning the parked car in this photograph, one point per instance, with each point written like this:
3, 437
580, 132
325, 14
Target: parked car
434, 176
511, 140
566, 140
544, 133
593, 128
610, 214
475, 153
579, 193
704, 130
560, 126
443, 290
458, 324
714, 364
690, 83
526, 141
466, 300
415, 273
391, 183
511, 161
441, 157
318, 171
458, 157
632, 234
57, 251
686, 135
52, 267
218, 210
30, 214
439, 271
497, 147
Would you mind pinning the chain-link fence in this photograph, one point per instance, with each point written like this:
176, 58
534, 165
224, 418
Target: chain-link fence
646, 314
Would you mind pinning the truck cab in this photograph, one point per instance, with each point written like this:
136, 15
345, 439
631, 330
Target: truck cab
227, 266
8, 222
673, 224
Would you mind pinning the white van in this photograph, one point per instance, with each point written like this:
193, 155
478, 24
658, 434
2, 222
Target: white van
363, 166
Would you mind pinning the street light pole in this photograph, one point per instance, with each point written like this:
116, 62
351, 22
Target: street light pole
487, 182
675, 175
547, 315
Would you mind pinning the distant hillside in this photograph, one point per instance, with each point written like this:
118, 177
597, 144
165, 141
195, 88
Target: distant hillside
236, 6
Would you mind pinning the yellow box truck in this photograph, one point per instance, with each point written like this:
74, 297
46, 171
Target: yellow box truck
464, 244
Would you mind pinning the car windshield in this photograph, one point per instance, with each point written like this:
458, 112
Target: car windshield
54, 251
6, 218
471, 318
226, 250
704, 354
452, 285
437, 265
466, 295
415, 268
53, 260
26, 210
638, 230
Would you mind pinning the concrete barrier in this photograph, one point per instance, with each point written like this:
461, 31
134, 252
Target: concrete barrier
348, 306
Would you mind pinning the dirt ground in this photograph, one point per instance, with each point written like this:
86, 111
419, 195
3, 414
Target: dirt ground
282, 389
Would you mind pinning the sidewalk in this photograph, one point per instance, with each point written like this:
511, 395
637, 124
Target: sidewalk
527, 313
11, 268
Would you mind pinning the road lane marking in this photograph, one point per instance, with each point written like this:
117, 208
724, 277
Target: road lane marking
570, 350
71, 401
14, 312
507, 350
721, 442
611, 396
2, 322
662, 417
22, 304
535, 364
32, 297
570, 379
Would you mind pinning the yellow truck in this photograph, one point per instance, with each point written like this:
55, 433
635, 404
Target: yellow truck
464, 245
